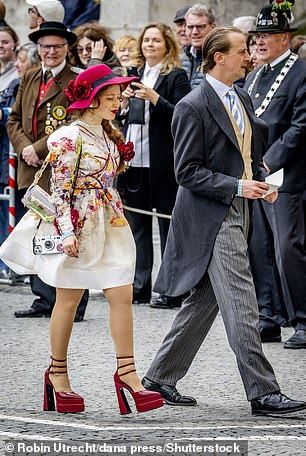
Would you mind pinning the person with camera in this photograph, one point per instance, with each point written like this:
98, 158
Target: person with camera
98, 249
149, 182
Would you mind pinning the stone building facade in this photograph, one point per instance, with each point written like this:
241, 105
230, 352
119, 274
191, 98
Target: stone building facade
129, 16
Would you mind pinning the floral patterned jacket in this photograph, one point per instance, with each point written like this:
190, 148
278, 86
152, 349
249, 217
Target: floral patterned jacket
93, 189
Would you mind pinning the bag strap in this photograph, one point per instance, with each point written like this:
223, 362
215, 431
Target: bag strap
79, 150
40, 171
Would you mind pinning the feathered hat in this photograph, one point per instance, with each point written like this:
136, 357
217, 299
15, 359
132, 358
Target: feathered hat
275, 18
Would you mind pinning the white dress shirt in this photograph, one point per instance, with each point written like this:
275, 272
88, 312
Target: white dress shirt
55, 70
139, 134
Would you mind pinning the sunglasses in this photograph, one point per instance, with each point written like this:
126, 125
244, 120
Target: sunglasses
87, 49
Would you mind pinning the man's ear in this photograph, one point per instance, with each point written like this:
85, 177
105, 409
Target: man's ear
219, 58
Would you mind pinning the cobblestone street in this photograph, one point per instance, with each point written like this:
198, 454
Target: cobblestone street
222, 412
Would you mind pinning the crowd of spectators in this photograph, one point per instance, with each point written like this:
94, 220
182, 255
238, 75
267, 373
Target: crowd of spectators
168, 63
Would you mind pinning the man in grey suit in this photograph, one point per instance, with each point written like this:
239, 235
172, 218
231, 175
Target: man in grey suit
218, 144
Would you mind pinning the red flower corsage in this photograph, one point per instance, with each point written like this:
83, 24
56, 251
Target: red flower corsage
78, 90
126, 151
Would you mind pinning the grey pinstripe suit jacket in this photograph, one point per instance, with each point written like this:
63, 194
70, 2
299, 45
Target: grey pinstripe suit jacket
208, 163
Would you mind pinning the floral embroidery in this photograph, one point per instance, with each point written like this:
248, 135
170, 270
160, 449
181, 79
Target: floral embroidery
94, 186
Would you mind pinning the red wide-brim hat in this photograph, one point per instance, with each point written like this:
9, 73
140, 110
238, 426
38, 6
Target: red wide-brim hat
82, 90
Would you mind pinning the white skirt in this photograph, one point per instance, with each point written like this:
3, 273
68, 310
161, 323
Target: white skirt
106, 259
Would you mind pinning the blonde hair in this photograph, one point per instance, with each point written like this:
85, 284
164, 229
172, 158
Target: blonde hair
172, 55
125, 41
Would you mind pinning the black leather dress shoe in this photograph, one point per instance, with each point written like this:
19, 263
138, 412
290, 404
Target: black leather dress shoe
166, 302
270, 335
31, 313
275, 403
298, 340
169, 393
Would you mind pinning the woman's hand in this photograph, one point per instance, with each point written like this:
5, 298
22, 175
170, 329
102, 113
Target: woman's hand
98, 50
145, 93
71, 245
126, 95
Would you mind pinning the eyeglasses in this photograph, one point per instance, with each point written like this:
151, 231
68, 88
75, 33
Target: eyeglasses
81, 49
262, 36
56, 47
199, 28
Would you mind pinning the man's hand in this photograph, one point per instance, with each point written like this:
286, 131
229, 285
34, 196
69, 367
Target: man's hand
252, 189
30, 157
272, 197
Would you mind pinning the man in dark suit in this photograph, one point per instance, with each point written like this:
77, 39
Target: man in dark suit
40, 107
278, 258
218, 144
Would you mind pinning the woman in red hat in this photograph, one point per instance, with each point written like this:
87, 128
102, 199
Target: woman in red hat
98, 246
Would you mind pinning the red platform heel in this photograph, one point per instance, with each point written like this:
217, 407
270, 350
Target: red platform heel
62, 402
144, 400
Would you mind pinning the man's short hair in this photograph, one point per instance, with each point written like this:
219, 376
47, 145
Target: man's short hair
245, 23
217, 40
199, 9
49, 10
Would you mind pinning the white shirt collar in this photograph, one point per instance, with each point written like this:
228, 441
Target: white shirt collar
154, 69
280, 58
218, 86
55, 70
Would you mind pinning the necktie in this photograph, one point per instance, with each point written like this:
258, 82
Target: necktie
47, 76
267, 67
235, 109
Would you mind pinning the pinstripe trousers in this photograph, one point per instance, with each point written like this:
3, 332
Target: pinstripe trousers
228, 286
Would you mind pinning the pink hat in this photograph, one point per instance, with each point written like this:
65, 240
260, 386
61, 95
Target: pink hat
82, 90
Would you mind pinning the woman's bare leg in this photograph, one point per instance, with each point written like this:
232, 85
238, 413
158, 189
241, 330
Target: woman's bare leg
121, 326
67, 301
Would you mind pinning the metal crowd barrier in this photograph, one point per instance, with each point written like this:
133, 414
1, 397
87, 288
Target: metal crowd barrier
142, 211
9, 195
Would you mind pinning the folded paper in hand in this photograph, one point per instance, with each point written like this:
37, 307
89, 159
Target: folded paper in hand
275, 181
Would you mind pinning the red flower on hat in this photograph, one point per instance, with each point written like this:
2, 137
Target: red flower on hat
70, 91
82, 89
126, 151
78, 90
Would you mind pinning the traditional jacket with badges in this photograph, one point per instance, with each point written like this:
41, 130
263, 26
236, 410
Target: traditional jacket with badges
286, 118
208, 162
19, 126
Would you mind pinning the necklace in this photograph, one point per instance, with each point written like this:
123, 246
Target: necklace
276, 84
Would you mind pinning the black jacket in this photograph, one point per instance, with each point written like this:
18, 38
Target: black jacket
286, 119
171, 88
208, 163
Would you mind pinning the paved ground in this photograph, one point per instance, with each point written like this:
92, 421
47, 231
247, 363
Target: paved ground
222, 412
